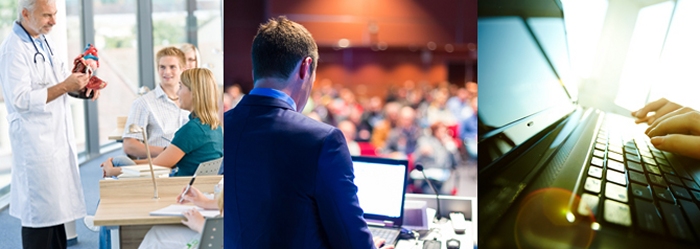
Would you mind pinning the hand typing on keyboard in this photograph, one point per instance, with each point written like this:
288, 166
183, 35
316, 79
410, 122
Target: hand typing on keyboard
659, 108
378, 242
677, 132
672, 128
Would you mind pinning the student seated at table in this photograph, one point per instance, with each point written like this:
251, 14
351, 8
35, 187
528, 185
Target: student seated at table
176, 236
199, 140
157, 111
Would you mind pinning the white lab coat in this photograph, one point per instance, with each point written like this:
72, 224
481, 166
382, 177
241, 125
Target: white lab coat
46, 187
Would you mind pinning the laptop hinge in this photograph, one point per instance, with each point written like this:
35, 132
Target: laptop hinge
386, 223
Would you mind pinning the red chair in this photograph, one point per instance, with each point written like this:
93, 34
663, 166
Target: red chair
367, 149
453, 131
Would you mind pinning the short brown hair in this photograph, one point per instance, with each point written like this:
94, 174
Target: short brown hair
279, 45
171, 51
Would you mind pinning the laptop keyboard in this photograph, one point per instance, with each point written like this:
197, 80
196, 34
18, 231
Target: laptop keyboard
389, 235
630, 183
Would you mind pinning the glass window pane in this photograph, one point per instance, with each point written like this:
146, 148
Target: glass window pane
209, 37
584, 26
8, 14
678, 77
75, 47
116, 41
639, 70
169, 23
551, 34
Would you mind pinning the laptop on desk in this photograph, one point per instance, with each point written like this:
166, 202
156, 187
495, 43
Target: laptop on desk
554, 174
381, 188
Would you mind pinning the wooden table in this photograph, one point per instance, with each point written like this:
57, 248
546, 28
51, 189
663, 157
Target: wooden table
125, 205
117, 133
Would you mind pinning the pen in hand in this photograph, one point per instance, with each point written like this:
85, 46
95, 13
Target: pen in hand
187, 189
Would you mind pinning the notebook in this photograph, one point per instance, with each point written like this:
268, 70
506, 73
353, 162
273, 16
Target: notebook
555, 174
381, 185
177, 210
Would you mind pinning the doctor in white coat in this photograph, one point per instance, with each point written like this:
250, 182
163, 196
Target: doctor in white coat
46, 189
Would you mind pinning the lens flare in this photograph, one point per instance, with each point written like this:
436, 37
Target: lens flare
548, 219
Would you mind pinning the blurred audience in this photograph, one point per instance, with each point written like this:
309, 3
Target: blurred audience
348, 129
439, 155
403, 138
232, 95
372, 114
434, 125
469, 131
438, 149
437, 111
381, 131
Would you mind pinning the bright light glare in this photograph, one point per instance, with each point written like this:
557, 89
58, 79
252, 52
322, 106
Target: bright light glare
678, 73
343, 43
584, 24
641, 66
570, 217
595, 226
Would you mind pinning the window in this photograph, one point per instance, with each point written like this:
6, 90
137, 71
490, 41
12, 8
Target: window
170, 29
115, 38
677, 73
209, 37
584, 25
641, 66
169, 23
8, 14
74, 47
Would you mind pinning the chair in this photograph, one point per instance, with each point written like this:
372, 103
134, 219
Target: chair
367, 149
212, 233
212, 167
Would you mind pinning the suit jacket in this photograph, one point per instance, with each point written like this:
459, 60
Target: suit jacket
289, 181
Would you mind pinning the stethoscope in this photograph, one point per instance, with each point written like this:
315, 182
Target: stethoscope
43, 67
34, 44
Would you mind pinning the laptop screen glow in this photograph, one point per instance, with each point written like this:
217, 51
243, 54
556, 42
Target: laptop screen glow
380, 188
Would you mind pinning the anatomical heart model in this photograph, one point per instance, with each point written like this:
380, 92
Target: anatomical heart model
87, 63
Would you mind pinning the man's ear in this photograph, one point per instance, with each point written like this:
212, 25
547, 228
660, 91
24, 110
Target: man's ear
25, 14
305, 68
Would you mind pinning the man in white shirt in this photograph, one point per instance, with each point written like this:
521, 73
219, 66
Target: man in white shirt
158, 111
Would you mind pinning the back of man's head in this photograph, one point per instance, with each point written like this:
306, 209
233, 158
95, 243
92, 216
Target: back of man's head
279, 45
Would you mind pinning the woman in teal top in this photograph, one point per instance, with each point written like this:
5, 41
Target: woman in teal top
200, 139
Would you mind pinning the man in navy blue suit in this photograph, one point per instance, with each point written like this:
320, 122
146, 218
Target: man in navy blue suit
289, 178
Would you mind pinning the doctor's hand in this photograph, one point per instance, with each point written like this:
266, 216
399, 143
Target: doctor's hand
679, 133
659, 107
76, 81
108, 169
195, 220
379, 242
96, 96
